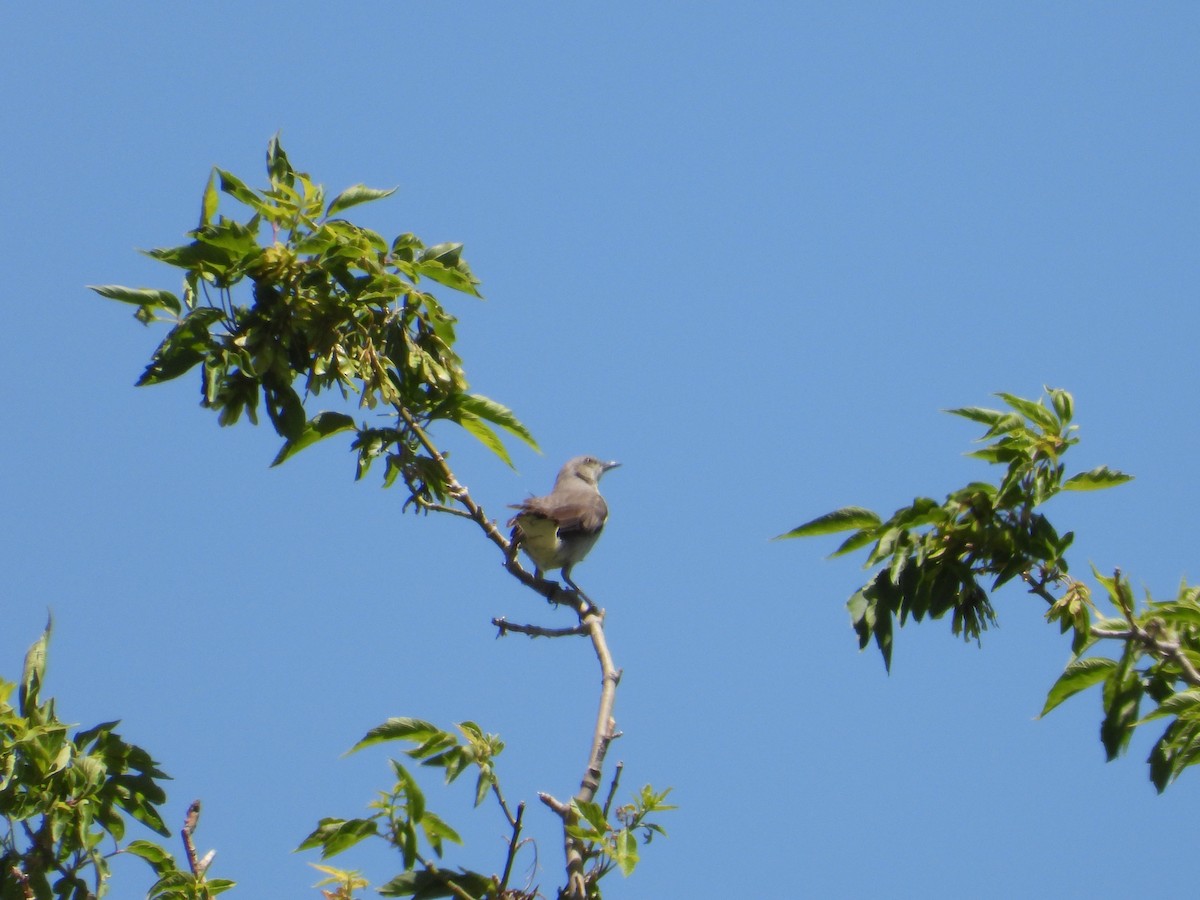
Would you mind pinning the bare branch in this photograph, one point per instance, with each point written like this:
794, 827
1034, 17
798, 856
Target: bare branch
514, 843
612, 788
190, 821
506, 626
591, 623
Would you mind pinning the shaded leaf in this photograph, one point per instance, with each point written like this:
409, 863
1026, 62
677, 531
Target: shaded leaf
335, 835
319, 427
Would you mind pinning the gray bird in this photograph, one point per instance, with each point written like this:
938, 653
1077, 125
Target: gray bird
558, 530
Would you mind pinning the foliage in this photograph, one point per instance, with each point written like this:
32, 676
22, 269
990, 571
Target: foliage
331, 307
62, 794
606, 845
291, 302
945, 558
402, 819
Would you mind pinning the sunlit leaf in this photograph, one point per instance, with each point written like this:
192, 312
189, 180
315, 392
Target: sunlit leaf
355, 195
149, 297
1079, 675
1096, 479
847, 518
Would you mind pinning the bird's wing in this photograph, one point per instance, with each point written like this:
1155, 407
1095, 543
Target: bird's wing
572, 514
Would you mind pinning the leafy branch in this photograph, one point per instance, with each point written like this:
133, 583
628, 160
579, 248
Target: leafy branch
292, 302
937, 559
62, 796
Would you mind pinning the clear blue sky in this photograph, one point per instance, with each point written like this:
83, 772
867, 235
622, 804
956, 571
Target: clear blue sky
750, 251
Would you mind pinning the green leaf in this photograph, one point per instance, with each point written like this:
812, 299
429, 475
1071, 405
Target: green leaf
852, 543
1032, 410
498, 414
335, 835
482, 433
1185, 704
355, 195
1079, 675
444, 264
278, 167
848, 518
33, 673
1122, 697
158, 858
594, 814
208, 206
148, 298
426, 884
234, 187
626, 851
184, 347
1064, 403
1096, 479
978, 414
403, 728
319, 427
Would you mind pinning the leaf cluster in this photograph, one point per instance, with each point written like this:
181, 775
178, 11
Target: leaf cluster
946, 558
400, 815
1159, 665
943, 558
605, 844
62, 794
290, 301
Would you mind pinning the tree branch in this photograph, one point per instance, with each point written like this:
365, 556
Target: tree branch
591, 623
506, 626
513, 843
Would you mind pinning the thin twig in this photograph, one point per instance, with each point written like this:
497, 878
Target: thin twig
612, 788
1167, 649
514, 844
506, 626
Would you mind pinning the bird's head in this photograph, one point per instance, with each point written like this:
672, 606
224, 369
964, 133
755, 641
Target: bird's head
586, 468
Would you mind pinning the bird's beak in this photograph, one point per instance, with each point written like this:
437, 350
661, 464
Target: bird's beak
611, 464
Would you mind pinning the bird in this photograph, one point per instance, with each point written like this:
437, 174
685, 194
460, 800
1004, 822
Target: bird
558, 530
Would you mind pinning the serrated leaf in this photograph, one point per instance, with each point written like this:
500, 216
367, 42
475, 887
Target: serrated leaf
848, 518
978, 414
352, 196
1079, 675
1097, 479
1032, 410
402, 728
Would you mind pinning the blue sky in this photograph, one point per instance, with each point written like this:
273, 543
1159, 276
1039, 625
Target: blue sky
750, 251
